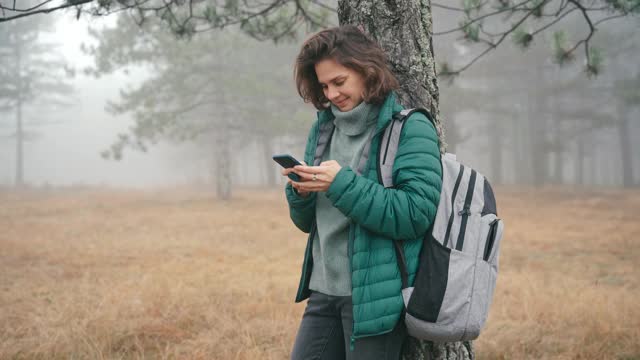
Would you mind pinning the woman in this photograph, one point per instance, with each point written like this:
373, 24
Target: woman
350, 274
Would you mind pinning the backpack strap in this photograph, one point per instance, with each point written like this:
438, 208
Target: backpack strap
386, 159
364, 158
390, 142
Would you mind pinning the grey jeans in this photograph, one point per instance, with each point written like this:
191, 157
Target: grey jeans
325, 333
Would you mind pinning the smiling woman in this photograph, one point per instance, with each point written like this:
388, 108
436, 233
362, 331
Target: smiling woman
342, 86
349, 275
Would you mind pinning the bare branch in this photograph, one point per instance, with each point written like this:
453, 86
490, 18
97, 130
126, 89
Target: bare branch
553, 22
617, 16
458, 9
24, 10
492, 46
474, 20
324, 6
592, 29
43, 11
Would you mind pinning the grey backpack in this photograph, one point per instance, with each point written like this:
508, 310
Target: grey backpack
458, 265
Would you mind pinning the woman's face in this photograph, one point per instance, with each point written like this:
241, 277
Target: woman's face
344, 87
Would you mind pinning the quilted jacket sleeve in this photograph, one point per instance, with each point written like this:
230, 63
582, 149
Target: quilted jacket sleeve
303, 210
403, 212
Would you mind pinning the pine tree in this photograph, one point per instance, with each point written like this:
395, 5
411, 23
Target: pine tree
33, 74
204, 90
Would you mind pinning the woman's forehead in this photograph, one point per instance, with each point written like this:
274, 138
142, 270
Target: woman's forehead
328, 70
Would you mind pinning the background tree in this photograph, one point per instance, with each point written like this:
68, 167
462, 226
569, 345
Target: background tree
204, 90
33, 77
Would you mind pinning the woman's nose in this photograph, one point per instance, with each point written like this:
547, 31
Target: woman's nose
332, 93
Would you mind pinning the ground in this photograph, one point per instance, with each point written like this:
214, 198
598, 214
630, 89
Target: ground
174, 273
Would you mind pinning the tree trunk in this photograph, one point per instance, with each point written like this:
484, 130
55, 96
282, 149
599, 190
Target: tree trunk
558, 145
580, 159
625, 147
495, 153
517, 145
538, 151
404, 28
19, 129
269, 165
223, 167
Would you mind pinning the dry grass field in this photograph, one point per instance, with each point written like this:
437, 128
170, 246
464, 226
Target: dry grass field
178, 275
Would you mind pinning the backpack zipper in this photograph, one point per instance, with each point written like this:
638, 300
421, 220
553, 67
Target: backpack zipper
453, 200
491, 237
466, 210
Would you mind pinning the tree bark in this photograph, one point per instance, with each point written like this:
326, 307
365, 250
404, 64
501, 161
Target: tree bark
404, 29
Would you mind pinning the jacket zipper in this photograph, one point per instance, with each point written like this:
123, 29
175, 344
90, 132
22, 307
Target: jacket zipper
453, 200
350, 255
466, 210
352, 340
312, 234
491, 237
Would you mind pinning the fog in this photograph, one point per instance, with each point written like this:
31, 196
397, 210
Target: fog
67, 152
483, 103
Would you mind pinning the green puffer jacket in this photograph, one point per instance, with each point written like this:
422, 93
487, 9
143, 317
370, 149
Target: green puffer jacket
378, 216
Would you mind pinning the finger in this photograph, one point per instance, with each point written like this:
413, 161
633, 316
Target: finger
308, 176
328, 163
311, 169
288, 171
312, 186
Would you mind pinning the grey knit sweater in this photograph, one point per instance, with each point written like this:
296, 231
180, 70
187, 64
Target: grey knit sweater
331, 273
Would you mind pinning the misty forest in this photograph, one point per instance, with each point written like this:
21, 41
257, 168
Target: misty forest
136, 171
221, 101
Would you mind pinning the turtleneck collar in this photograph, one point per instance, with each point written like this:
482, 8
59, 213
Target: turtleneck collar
357, 120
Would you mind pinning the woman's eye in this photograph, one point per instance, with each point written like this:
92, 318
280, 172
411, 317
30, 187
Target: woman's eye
339, 83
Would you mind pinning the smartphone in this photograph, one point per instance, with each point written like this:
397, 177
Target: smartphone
288, 161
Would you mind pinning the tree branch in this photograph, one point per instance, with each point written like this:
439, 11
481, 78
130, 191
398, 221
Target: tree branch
492, 46
479, 6
24, 10
474, 20
43, 11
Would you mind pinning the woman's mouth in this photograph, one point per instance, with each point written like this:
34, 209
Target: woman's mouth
341, 102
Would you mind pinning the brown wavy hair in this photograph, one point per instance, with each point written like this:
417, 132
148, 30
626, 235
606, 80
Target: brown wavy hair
351, 48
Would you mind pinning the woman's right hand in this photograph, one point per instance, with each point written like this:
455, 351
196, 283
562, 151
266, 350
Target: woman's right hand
286, 172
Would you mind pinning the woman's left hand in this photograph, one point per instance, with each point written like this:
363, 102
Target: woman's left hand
316, 178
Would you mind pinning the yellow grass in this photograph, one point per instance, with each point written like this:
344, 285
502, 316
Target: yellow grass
178, 275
